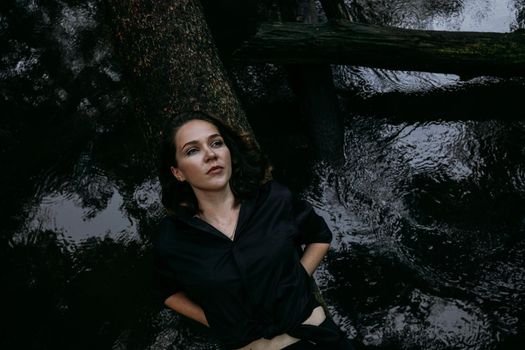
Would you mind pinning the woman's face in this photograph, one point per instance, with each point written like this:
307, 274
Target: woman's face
203, 159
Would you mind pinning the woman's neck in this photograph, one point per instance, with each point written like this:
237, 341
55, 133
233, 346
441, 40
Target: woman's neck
216, 204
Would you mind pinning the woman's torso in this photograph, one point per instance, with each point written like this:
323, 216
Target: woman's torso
251, 286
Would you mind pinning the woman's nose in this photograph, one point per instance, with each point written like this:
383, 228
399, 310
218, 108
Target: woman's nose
210, 153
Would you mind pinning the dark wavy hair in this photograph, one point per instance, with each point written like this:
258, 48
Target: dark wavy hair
250, 168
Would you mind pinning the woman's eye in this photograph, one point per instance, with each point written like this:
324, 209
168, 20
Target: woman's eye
191, 151
217, 143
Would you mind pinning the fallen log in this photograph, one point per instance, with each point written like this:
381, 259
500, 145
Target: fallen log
343, 42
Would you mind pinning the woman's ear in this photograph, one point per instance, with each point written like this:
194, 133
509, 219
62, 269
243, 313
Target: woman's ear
177, 173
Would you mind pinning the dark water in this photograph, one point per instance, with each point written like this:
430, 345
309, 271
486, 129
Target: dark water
428, 210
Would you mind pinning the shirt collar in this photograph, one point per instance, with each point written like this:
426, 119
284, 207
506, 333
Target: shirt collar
248, 207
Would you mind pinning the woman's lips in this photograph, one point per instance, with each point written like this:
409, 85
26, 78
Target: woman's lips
214, 170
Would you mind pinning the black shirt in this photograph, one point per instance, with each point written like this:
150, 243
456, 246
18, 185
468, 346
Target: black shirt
253, 286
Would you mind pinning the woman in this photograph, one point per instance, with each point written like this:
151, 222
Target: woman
230, 252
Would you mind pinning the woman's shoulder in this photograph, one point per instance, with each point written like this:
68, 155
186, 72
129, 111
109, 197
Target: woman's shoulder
165, 232
276, 190
273, 186
167, 223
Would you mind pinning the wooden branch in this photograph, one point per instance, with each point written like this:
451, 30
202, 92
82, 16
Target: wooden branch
343, 42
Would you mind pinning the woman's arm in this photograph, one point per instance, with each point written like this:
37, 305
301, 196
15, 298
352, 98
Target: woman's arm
184, 305
312, 256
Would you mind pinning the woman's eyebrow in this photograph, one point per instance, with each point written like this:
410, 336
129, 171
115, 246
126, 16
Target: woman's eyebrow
195, 141
189, 143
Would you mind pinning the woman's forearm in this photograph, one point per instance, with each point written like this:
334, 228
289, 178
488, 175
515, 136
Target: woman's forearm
312, 256
185, 306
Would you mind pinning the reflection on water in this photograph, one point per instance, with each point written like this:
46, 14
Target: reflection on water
62, 213
478, 16
433, 322
428, 215
370, 82
430, 233
455, 15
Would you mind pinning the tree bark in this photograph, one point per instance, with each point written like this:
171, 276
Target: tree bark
343, 42
172, 62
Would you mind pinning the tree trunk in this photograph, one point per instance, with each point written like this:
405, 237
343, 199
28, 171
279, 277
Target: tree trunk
343, 42
172, 62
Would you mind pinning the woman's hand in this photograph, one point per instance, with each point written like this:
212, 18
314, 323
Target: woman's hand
185, 306
312, 256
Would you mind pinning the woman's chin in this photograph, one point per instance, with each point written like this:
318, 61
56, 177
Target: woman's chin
215, 184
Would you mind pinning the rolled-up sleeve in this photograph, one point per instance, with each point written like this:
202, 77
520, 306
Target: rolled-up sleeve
311, 227
164, 280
